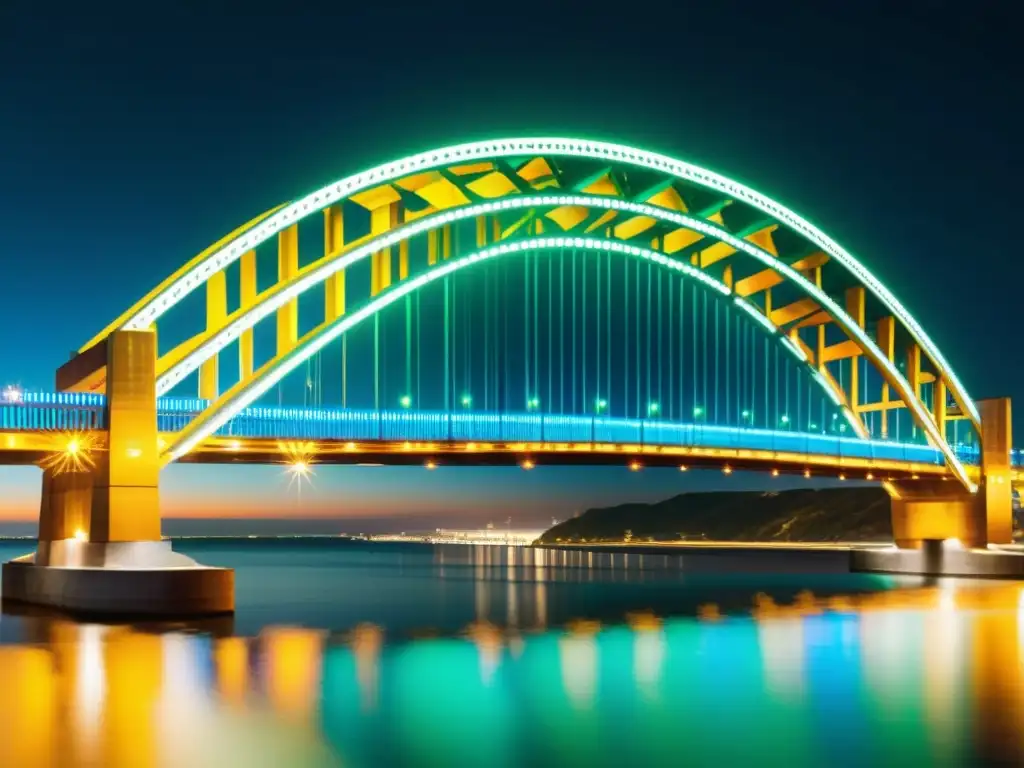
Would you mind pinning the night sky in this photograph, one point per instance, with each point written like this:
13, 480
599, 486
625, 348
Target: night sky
131, 138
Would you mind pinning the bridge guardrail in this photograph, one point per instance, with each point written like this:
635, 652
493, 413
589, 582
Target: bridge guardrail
74, 411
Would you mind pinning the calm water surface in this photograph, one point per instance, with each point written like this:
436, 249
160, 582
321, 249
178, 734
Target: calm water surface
389, 654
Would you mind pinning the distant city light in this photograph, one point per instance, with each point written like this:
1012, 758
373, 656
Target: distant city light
745, 414
13, 394
528, 464
431, 464
682, 467
653, 408
600, 404
533, 404
727, 469
784, 419
698, 411
405, 401
635, 466
467, 401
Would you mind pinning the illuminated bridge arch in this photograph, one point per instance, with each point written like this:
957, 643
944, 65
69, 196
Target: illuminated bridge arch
684, 213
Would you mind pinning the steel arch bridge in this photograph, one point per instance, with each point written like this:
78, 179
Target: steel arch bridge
393, 231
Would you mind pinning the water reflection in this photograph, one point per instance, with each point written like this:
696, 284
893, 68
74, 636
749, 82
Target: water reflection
532, 658
927, 676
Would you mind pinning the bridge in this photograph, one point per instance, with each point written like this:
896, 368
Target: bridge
537, 300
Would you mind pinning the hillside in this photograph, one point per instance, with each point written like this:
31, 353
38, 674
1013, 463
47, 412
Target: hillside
837, 514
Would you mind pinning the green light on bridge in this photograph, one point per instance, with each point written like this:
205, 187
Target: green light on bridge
653, 408
405, 401
600, 404
533, 404
698, 412
467, 401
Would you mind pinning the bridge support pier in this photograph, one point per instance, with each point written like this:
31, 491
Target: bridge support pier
100, 548
940, 528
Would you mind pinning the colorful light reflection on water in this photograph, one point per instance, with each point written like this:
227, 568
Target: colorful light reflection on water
922, 676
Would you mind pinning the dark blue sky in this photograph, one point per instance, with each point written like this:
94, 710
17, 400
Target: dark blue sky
131, 137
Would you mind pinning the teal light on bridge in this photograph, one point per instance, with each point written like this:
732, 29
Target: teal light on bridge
784, 419
698, 412
405, 401
467, 401
600, 404
653, 409
533, 404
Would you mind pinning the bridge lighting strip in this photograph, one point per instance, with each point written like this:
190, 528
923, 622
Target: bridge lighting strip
480, 150
797, 352
245, 393
747, 307
314, 277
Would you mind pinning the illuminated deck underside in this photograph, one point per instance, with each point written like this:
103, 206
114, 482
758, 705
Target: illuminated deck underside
28, 448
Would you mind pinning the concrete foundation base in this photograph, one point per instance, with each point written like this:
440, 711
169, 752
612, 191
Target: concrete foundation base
940, 558
139, 578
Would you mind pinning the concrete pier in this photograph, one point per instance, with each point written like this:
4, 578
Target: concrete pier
99, 547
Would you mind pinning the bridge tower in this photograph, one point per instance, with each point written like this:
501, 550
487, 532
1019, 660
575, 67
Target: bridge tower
943, 511
100, 546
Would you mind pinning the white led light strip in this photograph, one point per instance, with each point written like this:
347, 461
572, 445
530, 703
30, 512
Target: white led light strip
291, 290
615, 153
245, 393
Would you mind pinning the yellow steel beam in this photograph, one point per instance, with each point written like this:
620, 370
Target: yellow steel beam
886, 336
287, 268
334, 241
216, 313
794, 311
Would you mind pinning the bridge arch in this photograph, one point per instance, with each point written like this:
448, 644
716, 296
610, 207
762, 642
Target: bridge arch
263, 227
247, 391
316, 273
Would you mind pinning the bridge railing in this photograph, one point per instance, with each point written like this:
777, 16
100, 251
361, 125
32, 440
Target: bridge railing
74, 411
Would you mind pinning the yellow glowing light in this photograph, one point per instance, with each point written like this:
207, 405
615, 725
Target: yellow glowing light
350, 446
775, 473
682, 467
470, 446
81, 535
406, 446
134, 453
807, 473
913, 477
869, 476
235, 445
76, 456
634, 466
727, 469
527, 464
842, 477
431, 464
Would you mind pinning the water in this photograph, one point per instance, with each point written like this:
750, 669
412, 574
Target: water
387, 654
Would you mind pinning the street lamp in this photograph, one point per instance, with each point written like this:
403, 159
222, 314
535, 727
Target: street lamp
467, 401
652, 409
405, 401
745, 415
698, 412
784, 420
12, 394
533, 404
600, 404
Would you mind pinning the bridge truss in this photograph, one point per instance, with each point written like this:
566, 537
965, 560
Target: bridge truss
548, 275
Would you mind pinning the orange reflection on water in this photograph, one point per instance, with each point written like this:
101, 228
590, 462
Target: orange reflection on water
27, 707
291, 665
